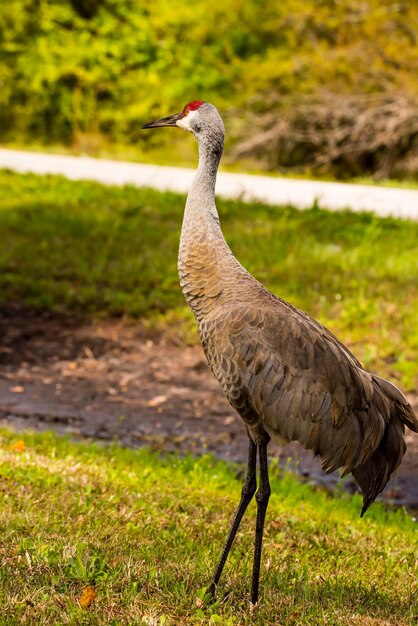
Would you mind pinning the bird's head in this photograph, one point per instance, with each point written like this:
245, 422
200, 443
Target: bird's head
198, 117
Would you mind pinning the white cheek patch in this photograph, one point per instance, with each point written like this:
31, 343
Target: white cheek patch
184, 122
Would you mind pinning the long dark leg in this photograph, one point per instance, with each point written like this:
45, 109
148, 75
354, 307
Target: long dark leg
247, 493
262, 498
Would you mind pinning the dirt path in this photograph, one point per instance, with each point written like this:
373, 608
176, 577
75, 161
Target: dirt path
114, 380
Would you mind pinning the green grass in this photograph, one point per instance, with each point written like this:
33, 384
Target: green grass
103, 251
145, 532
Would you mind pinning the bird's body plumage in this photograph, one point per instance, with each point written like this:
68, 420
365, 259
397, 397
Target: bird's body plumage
284, 373
288, 377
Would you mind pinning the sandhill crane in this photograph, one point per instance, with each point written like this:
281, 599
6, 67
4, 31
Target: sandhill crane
288, 377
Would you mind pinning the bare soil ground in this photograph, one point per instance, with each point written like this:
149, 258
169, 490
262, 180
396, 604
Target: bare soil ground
115, 380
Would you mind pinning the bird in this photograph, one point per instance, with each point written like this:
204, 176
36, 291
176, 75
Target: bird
287, 376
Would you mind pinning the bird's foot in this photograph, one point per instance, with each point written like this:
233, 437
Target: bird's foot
210, 594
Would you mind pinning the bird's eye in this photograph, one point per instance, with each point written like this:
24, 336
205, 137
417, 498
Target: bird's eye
197, 128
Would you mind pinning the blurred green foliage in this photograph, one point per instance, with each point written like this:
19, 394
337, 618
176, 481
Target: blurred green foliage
80, 80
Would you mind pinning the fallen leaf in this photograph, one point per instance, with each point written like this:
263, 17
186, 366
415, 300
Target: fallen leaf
18, 445
88, 352
17, 389
157, 400
87, 596
277, 524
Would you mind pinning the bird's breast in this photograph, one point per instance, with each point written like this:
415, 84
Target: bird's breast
201, 276
228, 369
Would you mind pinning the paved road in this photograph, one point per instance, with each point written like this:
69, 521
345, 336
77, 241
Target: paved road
300, 193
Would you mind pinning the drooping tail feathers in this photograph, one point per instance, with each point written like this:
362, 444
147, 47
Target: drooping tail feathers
373, 475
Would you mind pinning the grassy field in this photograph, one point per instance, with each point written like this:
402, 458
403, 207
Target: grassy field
103, 535
82, 247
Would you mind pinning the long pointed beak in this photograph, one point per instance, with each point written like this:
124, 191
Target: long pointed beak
171, 120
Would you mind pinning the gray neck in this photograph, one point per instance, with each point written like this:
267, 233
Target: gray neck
202, 245
201, 197
200, 214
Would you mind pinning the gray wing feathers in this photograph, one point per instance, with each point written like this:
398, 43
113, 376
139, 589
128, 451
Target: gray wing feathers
306, 386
